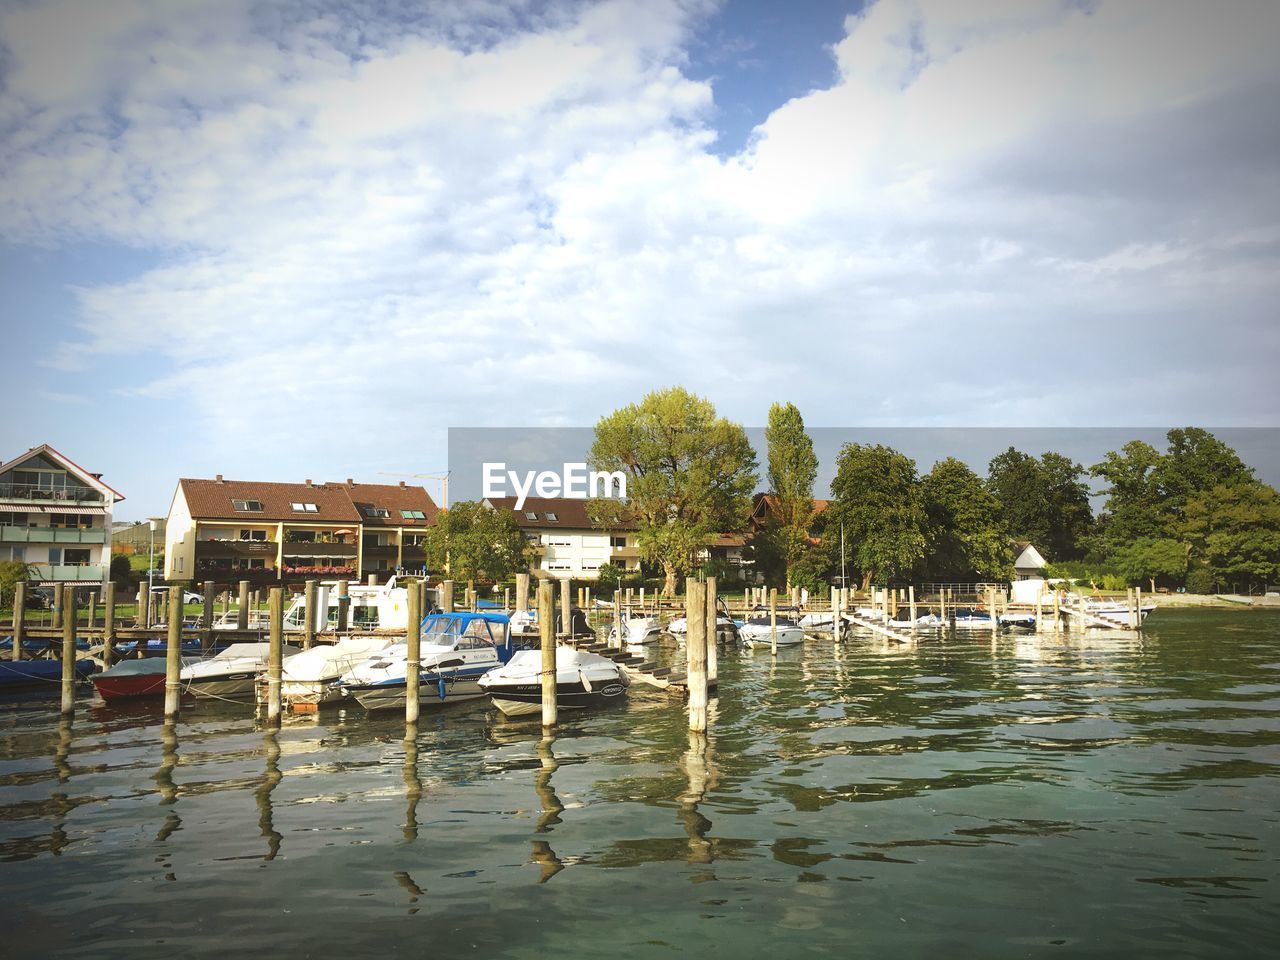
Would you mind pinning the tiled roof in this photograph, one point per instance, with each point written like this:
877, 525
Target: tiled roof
211, 500
394, 498
570, 514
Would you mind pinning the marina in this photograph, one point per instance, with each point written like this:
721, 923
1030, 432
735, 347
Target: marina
1082, 794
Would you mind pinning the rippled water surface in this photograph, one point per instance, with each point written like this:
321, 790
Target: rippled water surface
1107, 796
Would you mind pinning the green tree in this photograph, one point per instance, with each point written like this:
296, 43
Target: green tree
121, 570
1044, 501
793, 467
690, 475
966, 537
1149, 557
1234, 530
12, 572
474, 542
1195, 463
877, 498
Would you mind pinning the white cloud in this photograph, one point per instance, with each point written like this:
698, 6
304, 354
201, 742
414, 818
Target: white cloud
518, 217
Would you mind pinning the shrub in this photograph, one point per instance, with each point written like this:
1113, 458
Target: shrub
1201, 580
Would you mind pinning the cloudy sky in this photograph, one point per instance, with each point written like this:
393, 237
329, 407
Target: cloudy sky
281, 240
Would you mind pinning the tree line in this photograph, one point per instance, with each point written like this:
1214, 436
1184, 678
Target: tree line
1193, 515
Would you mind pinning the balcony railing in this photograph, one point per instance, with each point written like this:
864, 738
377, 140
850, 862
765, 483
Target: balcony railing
25, 491
51, 535
66, 572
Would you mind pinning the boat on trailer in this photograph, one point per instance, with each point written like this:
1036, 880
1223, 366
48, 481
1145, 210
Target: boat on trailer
456, 649
583, 679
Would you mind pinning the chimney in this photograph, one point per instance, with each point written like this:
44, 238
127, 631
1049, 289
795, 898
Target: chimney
218, 478
308, 482
350, 482
402, 483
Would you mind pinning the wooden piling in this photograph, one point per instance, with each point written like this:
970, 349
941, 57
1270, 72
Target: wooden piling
1137, 608
173, 655
206, 615
275, 655
91, 616
344, 607
242, 610
310, 590
713, 636
446, 596
19, 618
566, 607
413, 657
506, 598
1057, 610
547, 627
773, 620
68, 650
995, 614
522, 593
695, 594
58, 597
617, 620
1039, 610
109, 623
911, 605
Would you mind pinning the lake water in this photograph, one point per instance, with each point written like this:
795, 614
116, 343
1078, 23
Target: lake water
1103, 797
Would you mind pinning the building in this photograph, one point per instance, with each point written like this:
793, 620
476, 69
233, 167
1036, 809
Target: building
567, 542
55, 516
289, 532
1030, 564
764, 512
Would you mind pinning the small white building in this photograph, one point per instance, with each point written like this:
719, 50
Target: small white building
1029, 564
55, 516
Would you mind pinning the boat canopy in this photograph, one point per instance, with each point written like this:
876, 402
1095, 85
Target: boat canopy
491, 628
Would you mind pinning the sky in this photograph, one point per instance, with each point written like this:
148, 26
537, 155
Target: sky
290, 240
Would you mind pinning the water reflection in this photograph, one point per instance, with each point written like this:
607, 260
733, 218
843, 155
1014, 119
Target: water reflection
412, 782
271, 778
164, 779
696, 826
62, 805
543, 855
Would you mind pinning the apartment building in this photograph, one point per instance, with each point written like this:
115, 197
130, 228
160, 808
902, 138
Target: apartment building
55, 516
567, 542
268, 532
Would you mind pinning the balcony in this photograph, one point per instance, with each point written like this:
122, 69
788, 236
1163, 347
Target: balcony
51, 535
68, 573
308, 548
234, 549
62, 496
380, 549
625, 553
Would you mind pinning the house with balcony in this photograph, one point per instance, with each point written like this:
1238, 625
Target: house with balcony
228, 530
55, 516
272, 533
394, 519
567, 542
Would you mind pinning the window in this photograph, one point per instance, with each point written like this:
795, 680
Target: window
13, 519
75, 558
376, 512
552, 517
55, 555
413, 514
253, 535
247, 506
530, 515
559, 543
617, 541
305, 508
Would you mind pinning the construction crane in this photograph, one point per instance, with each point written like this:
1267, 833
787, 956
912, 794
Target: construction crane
442, 477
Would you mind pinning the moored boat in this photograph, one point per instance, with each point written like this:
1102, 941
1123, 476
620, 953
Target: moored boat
131, 679
583, 679
456, 650
310, 677
231, 674
38, 674
758, 630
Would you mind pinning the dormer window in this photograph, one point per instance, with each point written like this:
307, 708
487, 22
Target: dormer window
305, 508
413, 514
530, 515
377, 513
247, 506
552, 518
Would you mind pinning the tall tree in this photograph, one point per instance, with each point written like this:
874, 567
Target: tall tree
1195, 463
690, 474
966, 537
476, 543
1044, 501
877, 498
793, 467
1234, 530
1134, 506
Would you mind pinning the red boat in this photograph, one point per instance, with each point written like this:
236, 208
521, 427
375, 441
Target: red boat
130, 679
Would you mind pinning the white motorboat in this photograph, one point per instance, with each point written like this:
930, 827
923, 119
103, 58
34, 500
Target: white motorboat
637, 630
582, 679
310, 677
758, 631
1114, 613
231, 674
456, 650
726, 629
